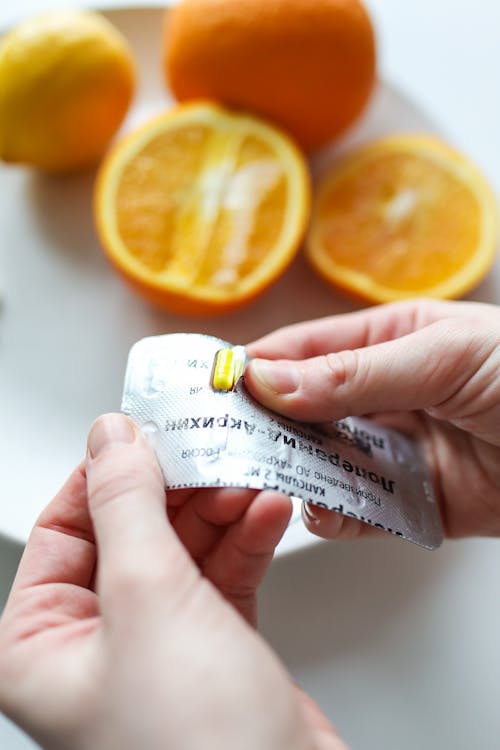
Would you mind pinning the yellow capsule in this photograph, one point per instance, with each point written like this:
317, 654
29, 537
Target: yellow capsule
228, 368
223, 377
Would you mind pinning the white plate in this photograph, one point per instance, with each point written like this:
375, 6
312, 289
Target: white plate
67, 322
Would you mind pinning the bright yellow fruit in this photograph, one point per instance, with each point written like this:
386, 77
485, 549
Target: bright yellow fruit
66, 81
202, 208
401, 217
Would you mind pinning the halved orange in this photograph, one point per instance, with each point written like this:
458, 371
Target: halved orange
403, 216
202, 208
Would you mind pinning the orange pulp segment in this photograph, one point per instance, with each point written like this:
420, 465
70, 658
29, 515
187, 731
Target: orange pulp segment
202, 208
402, 217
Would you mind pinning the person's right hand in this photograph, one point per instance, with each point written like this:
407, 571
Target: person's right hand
434, 365
129, 624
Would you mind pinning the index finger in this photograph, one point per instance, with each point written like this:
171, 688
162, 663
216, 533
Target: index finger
61, 547
357, 329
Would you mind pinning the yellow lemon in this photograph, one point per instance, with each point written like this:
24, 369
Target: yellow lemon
66, 82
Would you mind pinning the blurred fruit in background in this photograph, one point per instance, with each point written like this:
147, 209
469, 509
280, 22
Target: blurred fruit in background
205, 207
308, 66
66, 82
202, 209
401, 217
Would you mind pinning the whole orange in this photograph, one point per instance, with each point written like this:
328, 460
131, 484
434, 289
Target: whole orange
307, 65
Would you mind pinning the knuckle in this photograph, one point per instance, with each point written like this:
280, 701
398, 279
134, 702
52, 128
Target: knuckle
462, 348
132, 577
342, 368
105, 490
457, 333
112, 483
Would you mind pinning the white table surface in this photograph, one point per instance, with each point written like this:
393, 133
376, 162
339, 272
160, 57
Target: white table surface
399, 646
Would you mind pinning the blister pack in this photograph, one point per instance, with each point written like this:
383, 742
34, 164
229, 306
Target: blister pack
187, 393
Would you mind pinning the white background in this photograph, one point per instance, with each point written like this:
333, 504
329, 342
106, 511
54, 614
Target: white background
398, 645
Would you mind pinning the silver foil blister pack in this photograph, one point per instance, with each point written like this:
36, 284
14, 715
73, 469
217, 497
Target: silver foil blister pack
206, 437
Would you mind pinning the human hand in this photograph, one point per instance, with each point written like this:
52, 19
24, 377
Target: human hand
121, 630
435, 366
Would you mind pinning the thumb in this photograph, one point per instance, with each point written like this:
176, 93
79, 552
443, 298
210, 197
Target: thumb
427, 369
137, 548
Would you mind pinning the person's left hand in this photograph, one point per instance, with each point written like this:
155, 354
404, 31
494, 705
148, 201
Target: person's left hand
119, 631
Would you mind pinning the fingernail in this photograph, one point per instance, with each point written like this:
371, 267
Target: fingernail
278, 376
308, 514
108, 431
